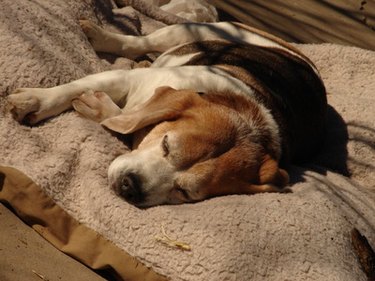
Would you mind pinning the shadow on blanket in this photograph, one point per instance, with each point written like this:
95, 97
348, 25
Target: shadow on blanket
334, 154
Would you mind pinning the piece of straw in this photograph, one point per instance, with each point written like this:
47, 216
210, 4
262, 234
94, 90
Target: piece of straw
172, 242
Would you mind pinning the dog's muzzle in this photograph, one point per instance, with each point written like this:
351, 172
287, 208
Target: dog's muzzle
129, 188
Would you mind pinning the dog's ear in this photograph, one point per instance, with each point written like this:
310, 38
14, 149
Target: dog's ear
271, 174
271, 177
166, 104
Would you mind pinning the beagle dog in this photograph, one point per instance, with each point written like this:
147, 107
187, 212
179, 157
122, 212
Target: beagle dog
219, 112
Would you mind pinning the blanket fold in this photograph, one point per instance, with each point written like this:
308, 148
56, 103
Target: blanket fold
64, 232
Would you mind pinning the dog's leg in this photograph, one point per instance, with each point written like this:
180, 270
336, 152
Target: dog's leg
35, 104
127, 88
160, 40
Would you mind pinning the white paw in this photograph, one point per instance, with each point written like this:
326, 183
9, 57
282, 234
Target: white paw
96, 106
94, 33
24, 103
32, 105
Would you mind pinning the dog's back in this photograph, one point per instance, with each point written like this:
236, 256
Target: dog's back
282, 79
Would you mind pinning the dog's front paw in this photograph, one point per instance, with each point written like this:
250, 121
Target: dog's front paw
96, 106
23, 104
32, 105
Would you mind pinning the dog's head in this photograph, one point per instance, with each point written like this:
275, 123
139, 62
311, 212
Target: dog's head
196, 149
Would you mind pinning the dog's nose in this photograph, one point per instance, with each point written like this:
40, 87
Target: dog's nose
130, 189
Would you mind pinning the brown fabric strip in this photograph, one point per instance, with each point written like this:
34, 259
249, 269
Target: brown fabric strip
39, 211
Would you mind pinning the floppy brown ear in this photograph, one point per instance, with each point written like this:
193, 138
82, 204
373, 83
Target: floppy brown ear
166, 104
271, 178
270, 173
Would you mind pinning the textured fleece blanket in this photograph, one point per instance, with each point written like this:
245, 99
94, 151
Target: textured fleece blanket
302, 235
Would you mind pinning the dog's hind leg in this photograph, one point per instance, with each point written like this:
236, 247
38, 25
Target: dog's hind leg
160, 40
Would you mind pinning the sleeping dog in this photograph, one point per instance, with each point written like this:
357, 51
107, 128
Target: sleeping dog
219, 112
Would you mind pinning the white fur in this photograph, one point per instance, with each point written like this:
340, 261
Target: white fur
193, 10
150, 165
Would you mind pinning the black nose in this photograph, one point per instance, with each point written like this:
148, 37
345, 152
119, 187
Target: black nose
130, 189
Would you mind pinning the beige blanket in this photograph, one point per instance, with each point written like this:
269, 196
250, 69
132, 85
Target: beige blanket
303, 235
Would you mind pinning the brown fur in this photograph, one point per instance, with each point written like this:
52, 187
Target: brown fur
274, 39
217, 149
285, 84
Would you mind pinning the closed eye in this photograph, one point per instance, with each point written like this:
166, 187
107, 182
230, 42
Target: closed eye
184, 193
165, 146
